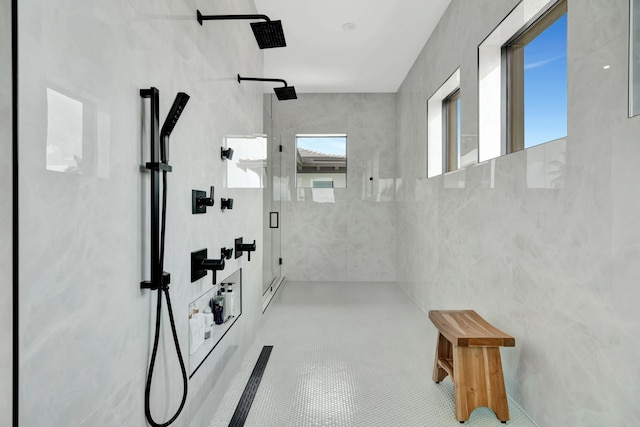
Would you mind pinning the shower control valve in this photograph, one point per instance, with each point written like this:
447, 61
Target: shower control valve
241, 247
226, 154
226, 253
226, 203
200, 264
200, 201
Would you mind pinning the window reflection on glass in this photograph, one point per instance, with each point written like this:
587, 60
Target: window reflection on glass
247, 168
321, 161
64, 133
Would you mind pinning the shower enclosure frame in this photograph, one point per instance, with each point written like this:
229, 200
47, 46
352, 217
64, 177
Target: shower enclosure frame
272, 204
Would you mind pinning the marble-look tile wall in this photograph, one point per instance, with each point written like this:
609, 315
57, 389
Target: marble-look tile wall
543, 243
86, 328
6, 216
344, 233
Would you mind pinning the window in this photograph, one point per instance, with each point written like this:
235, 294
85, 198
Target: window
322, 183
522, 79
321, 161
247, 167
443, 127
536, 81
451, 111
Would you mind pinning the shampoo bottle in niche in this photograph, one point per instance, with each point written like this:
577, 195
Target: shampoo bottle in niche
229, 301
219, 308
208, 316
223, 294
215, 310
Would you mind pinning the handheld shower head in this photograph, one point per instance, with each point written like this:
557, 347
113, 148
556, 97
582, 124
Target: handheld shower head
283, 93
170, 122
268, 34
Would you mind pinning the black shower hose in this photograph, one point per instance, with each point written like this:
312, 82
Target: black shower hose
147, 390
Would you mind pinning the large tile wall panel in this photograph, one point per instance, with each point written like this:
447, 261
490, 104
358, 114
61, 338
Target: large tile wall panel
86, 328
544, 242
352, 237
6, 216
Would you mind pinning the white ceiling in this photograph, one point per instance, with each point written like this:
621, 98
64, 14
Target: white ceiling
374, 57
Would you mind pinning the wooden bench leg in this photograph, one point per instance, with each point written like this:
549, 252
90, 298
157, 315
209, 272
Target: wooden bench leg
443, 351
479, 381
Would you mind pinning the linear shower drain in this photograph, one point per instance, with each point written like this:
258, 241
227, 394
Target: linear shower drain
249, 393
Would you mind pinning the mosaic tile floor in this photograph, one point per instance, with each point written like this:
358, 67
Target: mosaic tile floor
348, 354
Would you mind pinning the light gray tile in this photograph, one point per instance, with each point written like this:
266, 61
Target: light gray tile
86, 327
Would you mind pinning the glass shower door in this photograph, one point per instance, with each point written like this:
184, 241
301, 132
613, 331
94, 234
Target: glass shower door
272, 219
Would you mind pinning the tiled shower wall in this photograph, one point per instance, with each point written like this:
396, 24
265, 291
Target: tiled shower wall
344, 233
85, 326
6, 212
544, 243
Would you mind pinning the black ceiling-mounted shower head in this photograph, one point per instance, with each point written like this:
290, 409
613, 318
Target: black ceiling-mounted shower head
283, 93
268, 34
170, 122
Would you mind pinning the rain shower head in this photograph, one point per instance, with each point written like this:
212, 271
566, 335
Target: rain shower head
283, 93
170, 122
268, 34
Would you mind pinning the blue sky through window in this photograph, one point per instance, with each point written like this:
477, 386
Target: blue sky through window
545, 87
324, 144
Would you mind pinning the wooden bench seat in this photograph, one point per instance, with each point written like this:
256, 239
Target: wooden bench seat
468, 350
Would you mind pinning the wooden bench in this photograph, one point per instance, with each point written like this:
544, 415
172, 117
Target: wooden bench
468, 350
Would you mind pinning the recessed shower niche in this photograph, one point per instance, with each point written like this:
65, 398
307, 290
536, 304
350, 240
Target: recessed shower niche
211, 316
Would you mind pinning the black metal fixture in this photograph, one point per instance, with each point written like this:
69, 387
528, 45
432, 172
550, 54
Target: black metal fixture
283, 93
226, 203
226, 253
241, 247
159, 151
200, 264
268, 34
226, 154
274, 219
200, 201
170, 122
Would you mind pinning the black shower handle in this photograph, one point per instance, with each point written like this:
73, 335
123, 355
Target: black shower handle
249, 247
213, 264
206, 201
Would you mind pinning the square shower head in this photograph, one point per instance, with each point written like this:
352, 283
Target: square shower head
268, 34
284, 93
